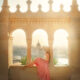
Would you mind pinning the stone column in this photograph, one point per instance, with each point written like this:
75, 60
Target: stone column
77, 48
4, 17
29, 42
50, 39
72, 51
10, 50
74, 56
74, 47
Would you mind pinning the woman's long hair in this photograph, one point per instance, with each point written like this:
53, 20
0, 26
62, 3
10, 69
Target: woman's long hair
47, 51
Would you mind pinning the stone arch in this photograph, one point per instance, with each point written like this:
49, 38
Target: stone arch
60, 47
39, 41
14, 38
66, 28
12, 29
40, 30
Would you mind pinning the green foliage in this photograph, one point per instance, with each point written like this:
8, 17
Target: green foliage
23, 60
54, 61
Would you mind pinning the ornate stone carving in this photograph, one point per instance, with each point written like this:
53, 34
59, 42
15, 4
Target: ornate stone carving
37, 20
29, 3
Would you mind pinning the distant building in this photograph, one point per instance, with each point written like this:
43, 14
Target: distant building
37, 51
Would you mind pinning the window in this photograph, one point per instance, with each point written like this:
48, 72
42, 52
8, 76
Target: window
39, 41
19, 47
60, 48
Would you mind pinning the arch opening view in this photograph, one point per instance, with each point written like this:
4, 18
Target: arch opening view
19, 47
39, 41
60, 48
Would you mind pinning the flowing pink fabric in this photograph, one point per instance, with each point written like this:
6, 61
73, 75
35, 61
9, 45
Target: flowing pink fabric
43, 69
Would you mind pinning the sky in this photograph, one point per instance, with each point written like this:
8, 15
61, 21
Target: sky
35, 3
20, 39
60, 37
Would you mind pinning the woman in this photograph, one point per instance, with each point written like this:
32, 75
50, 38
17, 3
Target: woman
42, 66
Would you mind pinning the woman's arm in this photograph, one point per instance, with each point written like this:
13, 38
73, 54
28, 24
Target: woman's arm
29, 65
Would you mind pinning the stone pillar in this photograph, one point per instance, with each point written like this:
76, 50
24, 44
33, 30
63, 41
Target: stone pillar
10, 50
29, 42
78, 42
70, 49
77, 47
74, 56
50, 39
4, 16
74, 45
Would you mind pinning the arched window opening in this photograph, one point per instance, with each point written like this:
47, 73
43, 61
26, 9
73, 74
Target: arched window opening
60, 48
39, 41
19, 47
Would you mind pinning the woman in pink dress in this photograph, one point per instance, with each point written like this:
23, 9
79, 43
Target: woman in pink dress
42, 66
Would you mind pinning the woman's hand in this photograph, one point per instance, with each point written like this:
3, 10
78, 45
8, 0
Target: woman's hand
28, 65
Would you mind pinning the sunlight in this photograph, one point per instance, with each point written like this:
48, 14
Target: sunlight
19, 38
59, 38
60, 47
19, 46
62, 62
41, 36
